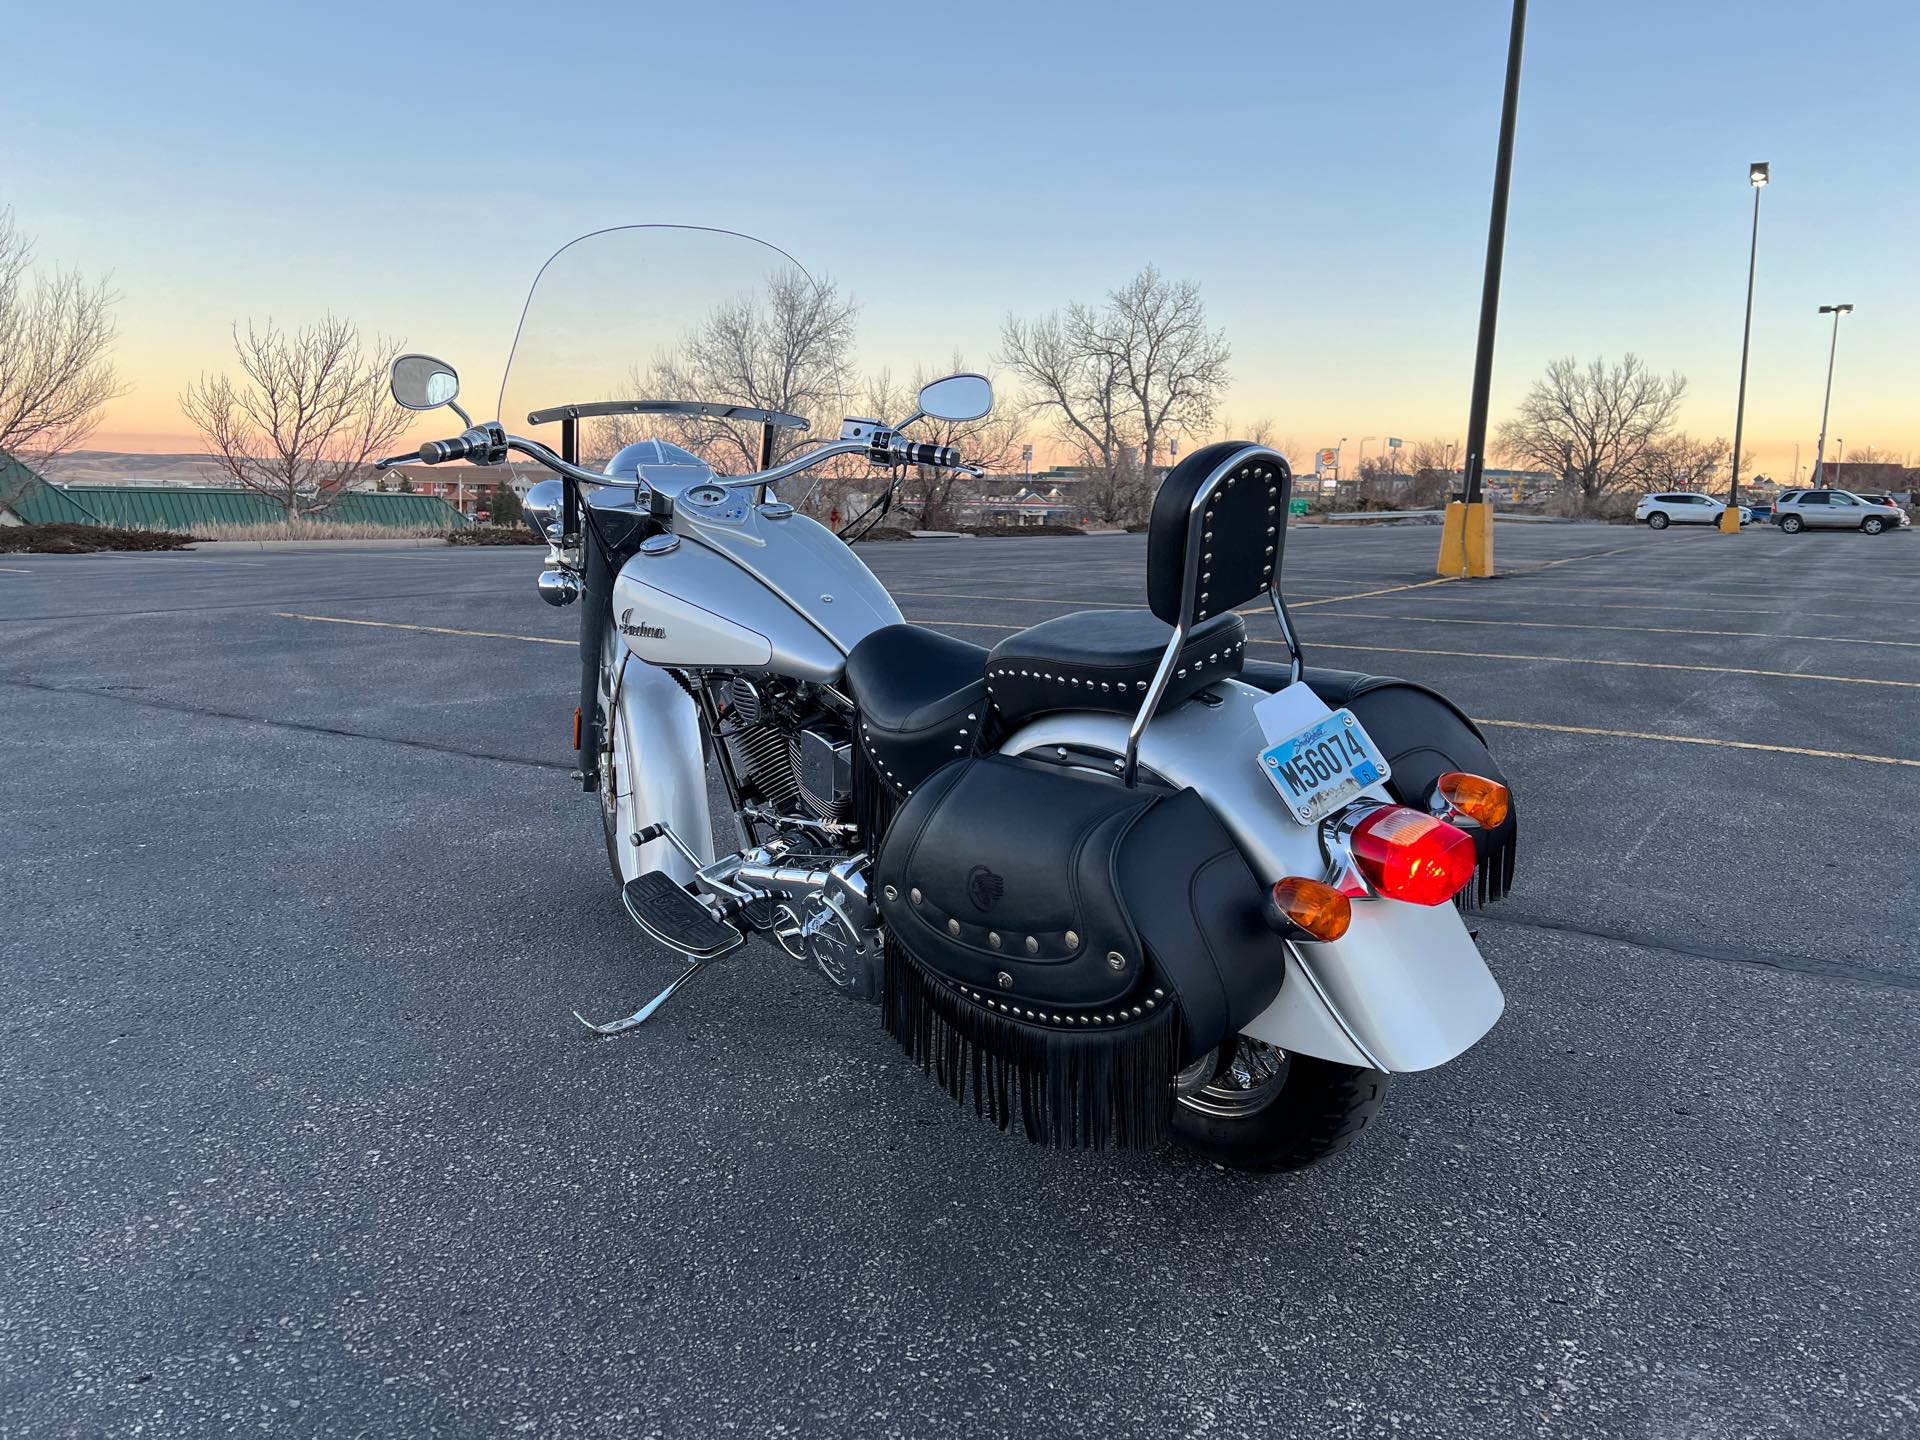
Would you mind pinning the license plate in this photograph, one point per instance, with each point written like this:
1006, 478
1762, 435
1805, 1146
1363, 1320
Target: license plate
1321, 768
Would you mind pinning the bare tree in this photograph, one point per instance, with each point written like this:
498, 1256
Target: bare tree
1130, 374
1076, 386
788, 348
1682, 462
56, 339
309, 414
1172, 368
1593, 425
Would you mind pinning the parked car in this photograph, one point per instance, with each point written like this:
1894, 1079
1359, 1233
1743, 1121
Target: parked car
1799, 510
1678, 507
1878, 497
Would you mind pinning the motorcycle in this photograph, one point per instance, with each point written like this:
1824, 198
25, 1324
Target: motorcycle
1109, 881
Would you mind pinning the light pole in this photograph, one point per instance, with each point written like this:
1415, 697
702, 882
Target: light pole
1820, 453
1730, 517
1473, 532
1361, 463
1338, 474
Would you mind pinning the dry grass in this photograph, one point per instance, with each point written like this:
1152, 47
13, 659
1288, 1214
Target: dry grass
319, 530
494, 535
63, 539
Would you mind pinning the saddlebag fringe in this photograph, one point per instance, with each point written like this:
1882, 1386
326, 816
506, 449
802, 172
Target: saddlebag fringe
1069, 1088
1493, 876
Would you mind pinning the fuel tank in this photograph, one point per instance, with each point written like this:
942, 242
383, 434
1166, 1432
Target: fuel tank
750, 588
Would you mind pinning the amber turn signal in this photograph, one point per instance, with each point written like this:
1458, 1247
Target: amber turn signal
1476, 797
1320, 910
576, 727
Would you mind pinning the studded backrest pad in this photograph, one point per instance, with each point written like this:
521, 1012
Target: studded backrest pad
1240, 530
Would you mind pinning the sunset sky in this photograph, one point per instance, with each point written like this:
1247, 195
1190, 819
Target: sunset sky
1322, 171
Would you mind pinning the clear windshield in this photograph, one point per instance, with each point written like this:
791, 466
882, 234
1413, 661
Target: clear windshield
677, 313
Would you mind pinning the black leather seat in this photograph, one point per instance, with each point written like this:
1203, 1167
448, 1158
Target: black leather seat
922, 698
1105, 660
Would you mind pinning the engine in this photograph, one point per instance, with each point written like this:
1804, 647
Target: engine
789, 752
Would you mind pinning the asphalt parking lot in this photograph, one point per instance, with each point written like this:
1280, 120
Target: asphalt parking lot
298, 1135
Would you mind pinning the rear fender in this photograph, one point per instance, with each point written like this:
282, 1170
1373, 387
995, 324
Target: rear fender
1404, 989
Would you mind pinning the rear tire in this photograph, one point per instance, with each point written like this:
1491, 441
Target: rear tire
1658, 520
1792, 524
1873, 525
1321, 1108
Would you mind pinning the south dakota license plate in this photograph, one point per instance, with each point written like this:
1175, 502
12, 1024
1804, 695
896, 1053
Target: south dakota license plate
1322, 767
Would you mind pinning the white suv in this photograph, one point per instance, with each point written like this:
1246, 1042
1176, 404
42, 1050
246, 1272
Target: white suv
1679, 507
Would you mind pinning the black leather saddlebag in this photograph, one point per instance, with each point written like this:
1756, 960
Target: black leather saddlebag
1060, 945
1423, 734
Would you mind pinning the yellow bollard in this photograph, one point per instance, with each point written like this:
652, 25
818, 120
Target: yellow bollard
1466, 540
1730, 521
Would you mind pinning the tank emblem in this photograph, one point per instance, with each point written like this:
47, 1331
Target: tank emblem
642, 630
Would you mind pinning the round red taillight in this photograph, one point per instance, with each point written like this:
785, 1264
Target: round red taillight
1413, 857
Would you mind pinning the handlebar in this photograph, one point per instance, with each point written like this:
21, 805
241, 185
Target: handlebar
433, 452
916, 452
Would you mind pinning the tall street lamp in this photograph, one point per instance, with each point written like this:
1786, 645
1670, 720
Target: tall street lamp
1730, 517
1820, 454
1466, 536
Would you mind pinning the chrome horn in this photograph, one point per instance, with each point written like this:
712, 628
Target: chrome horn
541, 506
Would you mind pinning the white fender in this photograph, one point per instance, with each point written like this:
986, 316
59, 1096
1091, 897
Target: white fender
1405, 987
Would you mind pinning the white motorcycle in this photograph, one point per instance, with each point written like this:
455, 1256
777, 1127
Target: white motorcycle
1108, 881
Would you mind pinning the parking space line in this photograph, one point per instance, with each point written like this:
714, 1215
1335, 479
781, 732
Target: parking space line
426, 629
1699, 740
1476, 599
1620, 664
15, 570
1628, 629
1478, 720
1360, 595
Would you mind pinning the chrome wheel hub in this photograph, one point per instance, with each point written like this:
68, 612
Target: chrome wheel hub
1246, 1085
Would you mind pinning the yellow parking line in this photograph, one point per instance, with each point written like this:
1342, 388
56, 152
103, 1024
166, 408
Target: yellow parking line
1699, 740
1628, 629
1588, 660
1361, 595
426, 629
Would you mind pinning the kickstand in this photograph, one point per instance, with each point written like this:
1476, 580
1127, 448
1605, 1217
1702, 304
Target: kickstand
646, 1011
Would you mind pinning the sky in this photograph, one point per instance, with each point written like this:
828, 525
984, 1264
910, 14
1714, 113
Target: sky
1322, 172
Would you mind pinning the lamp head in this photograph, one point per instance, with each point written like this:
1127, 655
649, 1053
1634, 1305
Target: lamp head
1757, 173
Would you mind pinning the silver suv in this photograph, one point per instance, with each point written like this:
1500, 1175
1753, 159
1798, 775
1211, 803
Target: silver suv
1798, 510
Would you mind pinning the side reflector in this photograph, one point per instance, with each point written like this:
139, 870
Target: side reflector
1475, 796
576, 727
1413, 857
1320, 910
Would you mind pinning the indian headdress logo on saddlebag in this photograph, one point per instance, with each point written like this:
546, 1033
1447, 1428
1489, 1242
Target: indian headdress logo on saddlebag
984, 887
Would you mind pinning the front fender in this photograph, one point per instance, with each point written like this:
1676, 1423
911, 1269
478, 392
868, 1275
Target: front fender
1404, 989
659, 767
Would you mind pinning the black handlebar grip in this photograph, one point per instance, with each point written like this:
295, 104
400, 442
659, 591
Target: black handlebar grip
435, 451
922, 453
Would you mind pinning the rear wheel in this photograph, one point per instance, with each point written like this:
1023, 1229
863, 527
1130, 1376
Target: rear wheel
1792, 524
1267, 1110
1873, 525
1658, 520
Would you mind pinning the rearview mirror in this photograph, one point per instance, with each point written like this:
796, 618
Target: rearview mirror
957, 397
420, 382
